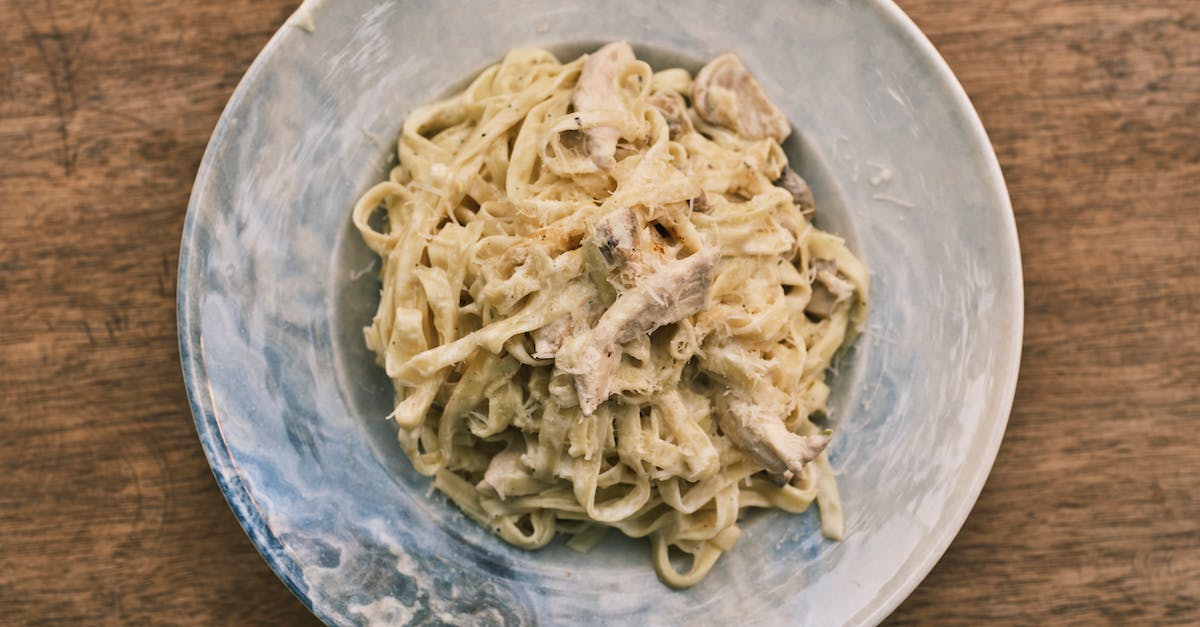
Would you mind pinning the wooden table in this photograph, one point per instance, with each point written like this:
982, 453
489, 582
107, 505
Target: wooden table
108, 511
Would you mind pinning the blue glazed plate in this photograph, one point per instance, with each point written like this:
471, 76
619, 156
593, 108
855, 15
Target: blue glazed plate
274, 287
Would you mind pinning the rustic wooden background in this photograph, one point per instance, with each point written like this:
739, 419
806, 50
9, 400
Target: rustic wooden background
108, 511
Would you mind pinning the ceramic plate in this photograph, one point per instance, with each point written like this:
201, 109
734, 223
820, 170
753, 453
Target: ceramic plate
275, 286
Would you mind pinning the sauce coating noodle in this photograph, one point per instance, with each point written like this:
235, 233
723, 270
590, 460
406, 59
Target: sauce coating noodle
604, 305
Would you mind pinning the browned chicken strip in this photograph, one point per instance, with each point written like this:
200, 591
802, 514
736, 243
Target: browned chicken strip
802, 196
597, 90
674, 110
757, 428
616, 237
724, 93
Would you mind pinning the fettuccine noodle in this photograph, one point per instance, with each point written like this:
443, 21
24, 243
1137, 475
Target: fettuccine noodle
604, 305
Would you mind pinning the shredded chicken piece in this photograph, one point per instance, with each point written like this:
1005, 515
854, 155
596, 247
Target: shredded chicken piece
801, 194
616, 236
549, 338
507, 475
598, 90
828, 289
757, 428
724, 93
668, 294
822, 301
619, 255
674, 110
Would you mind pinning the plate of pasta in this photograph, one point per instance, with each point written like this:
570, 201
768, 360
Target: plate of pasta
571, 313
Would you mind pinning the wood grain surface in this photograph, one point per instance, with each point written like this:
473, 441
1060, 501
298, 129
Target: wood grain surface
108, 511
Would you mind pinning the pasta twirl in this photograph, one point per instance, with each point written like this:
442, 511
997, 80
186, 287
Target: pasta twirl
604, 304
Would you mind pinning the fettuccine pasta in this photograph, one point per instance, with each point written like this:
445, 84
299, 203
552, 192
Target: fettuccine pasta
604, 305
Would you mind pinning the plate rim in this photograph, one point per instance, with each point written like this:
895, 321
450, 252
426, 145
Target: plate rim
1010, 238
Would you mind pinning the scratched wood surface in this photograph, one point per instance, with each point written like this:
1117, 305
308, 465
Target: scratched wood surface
109, 514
